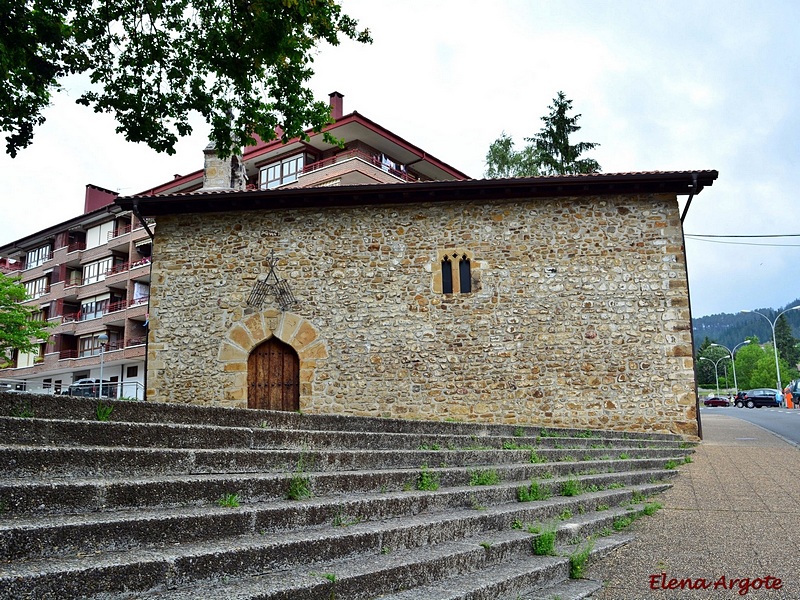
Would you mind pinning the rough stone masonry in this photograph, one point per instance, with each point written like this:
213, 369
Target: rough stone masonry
577, 316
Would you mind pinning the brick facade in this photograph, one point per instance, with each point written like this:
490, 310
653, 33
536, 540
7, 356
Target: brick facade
577, 316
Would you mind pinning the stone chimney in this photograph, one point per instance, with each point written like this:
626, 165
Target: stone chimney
337, 105
223, 174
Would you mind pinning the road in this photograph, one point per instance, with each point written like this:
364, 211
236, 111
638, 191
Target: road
784, 422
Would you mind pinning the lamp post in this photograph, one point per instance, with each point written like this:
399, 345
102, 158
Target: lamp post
715, 363
774, 341
103, 339
733, 360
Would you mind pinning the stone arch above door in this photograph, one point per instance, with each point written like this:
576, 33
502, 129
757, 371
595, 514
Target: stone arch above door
258, 327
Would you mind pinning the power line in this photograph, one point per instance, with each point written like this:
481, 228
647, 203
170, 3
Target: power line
768, 235
721, 239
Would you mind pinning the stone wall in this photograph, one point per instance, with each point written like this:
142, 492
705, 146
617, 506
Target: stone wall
578, 314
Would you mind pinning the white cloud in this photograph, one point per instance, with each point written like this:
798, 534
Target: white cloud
660, 85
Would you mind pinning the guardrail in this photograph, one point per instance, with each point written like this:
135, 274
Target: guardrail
119, 390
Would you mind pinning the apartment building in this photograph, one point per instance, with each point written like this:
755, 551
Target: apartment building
90, 276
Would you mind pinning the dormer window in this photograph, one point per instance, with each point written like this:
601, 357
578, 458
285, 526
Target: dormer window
281, 172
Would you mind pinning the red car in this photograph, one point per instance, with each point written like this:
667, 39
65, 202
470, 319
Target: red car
716, 401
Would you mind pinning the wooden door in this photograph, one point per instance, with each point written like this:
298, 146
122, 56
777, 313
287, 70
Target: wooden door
273, 377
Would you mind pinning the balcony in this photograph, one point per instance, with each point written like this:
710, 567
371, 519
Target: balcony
73, 316
373, 159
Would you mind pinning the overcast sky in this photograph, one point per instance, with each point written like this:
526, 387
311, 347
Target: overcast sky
673, 85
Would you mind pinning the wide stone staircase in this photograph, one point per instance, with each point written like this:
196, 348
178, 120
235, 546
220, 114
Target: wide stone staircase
119, 499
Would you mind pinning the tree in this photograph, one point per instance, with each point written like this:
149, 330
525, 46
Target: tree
502, 161
242, 64
17, 330
747, 359
786, 342
548, 153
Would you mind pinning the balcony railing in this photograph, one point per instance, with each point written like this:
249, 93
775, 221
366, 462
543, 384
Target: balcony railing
70, 317
372, 159
75, 246
119, 232
110, 347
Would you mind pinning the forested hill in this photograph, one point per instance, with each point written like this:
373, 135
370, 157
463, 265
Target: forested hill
731, 329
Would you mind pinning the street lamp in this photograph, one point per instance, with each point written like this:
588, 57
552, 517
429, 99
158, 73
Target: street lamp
733, 360
103, 339
715, 362
774, 341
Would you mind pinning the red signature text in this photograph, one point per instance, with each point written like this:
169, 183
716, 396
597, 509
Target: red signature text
743, 585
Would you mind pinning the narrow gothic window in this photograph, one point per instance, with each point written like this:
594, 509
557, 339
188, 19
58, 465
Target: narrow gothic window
464, 275
447, 276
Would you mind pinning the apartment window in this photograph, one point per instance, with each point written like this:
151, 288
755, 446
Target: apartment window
99, 235
94, 308
453, 272
96, 271
281, 172
132, 372
27, 359
38, 257
37, 287
89, 345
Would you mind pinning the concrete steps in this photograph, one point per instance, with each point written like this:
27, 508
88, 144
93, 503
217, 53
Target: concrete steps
133, 507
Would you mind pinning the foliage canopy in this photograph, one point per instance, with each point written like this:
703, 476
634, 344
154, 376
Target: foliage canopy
242, 64
17, 330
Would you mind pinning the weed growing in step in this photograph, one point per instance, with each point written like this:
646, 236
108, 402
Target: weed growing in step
577, 560
339, 520
429, 447
605, 532
621, 523
24, 411
427, 481
508, 445
475, 504
586, 457
565, 514
535, 529
519, 432
330, 577
103, 411
535, 458
637, 497
671, 464
581, 509
614, 486
299, 483
624, 456
601, 507
547, 475
229, 500
544, 544
651, 508
571, 487
687, 459
516, 524
485, 545
533, 492
385, 550
484, 477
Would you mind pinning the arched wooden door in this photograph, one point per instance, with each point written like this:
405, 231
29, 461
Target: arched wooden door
273, 377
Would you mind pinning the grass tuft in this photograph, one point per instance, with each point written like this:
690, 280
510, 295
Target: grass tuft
484, 477
427, 481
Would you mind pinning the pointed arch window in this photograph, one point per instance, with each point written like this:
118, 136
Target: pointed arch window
464, 275
453, 272
447, 275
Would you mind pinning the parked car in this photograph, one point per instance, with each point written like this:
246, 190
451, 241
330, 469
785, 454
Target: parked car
757, 398
716, 401
90, 388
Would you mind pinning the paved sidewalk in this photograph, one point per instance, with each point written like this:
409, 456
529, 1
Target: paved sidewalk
734, 512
